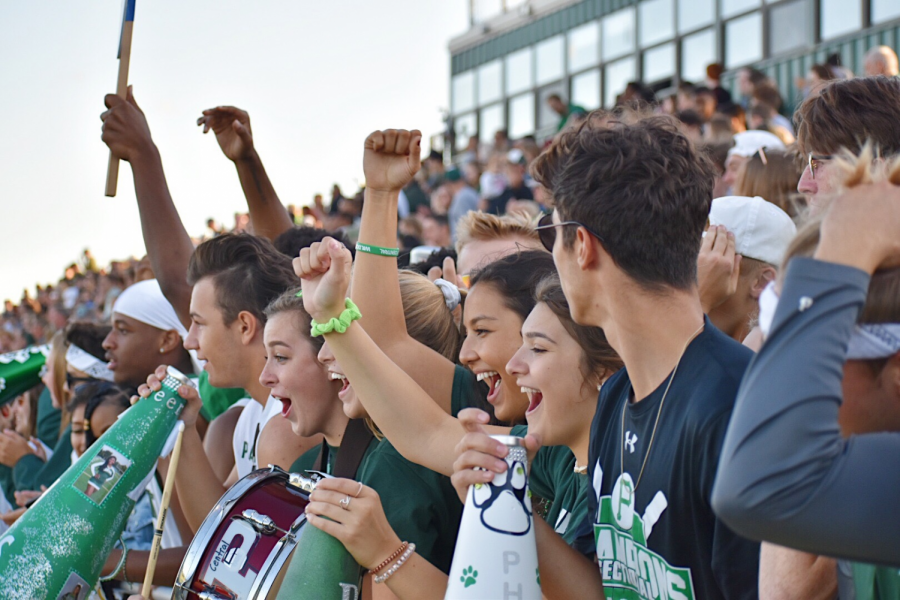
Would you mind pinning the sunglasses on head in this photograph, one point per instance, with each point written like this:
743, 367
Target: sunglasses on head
546, 230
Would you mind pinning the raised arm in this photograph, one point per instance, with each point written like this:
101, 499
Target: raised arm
126, 132
268, 216
415, 425
391, 159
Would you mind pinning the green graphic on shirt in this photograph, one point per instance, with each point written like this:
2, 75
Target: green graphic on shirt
630, 570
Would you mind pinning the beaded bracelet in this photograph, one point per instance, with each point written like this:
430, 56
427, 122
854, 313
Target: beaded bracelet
390, 558
339, 324
387, 574
377, 250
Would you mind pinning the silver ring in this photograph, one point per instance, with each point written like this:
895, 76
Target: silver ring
345, 503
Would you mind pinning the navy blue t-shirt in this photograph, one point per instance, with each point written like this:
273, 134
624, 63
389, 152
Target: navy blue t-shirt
657, 531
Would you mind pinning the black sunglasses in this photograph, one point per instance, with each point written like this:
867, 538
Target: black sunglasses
546, 230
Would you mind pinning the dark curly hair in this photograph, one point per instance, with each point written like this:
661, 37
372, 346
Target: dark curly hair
642, 187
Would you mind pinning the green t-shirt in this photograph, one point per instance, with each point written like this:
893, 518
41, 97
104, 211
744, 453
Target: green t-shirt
467, 393
420, 505
873, 582
217, 400
31, 472
553, 479
48, 419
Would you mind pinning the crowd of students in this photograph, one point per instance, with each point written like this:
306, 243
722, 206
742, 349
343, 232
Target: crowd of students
700, 346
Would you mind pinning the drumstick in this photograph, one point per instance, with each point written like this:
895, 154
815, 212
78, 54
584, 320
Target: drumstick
163, 509
112, 169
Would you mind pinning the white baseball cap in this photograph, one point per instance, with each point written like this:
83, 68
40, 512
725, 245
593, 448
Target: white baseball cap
761, 230
748, 143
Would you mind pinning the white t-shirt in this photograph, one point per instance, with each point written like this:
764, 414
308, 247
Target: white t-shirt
246, 432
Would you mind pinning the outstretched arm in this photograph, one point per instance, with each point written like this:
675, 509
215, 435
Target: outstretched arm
390, 160
268, 216
415, 425
126, 132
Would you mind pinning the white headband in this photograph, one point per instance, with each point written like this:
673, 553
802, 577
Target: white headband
873, 341
88, 363
452, 297
868, 342
145, 302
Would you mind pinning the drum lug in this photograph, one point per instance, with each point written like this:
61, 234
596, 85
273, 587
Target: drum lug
264, 524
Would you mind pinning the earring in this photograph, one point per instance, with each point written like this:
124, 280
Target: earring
162, 350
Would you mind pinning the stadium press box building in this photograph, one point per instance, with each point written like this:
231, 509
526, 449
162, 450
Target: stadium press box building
516, 53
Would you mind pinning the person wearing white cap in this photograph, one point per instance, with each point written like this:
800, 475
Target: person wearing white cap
746, 144
761, 232
146, 333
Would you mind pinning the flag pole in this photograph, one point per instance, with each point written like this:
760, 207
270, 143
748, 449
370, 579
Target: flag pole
161, 518
112, 170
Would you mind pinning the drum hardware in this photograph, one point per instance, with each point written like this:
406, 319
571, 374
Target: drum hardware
261, 523
208, 594
304, 483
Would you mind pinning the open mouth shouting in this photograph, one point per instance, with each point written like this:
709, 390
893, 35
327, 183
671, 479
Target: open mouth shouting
534, 398
285, 405
492, 378
345, 388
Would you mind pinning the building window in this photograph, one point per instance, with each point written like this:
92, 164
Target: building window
550, 59
618, 34
840, 16
584, 46
463, 92
465, 127
734, 7
490, 82
492, 119
521, 116
882, 10
743, 40
586, 89
695, 13
790, 27
519, 76
659, 63
697, 51
657, 21
618, 74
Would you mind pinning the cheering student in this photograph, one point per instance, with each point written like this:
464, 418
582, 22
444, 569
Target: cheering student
786, 469
561, 407
420, 504
631, 204
498, 301
221, 290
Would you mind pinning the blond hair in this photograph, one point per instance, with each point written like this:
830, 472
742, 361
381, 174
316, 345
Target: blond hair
774, 179
483, 227
56, 359
428, 319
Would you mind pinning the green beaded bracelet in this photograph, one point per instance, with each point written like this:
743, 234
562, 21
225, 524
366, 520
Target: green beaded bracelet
339, 324
377, 250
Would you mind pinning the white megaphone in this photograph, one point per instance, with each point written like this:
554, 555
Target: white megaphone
496, 555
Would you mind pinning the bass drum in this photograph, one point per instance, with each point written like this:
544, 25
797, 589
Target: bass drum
243, 544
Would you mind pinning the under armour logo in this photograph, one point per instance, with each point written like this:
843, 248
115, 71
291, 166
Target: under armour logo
630, 439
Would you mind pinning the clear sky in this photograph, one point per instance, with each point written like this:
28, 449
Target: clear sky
316, 77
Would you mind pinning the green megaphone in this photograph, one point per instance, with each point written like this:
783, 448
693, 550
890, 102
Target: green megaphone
20, 371
59, 546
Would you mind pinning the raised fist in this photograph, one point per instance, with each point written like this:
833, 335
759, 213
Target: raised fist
324, 269
392, 158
